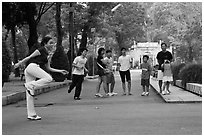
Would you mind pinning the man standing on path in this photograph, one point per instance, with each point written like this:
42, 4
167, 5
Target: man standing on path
110, 76
125, 64
161, 56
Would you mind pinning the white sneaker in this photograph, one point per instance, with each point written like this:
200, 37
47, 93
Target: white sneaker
164, 92
35, 117
110, 94
98, 95
147, 94
143, 93
114, 93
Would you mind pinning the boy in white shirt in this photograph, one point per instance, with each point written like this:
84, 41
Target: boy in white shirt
125, 64
78, 73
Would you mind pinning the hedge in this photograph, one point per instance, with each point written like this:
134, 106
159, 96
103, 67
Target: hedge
191, 73
176, 69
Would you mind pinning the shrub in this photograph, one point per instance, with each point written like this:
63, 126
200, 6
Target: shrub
59, 61
176, 70
6, 63
191, 73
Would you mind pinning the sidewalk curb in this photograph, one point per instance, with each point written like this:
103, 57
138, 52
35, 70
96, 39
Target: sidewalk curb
170, 101
18, 96
173, 101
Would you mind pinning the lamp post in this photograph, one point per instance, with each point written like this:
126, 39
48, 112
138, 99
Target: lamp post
93, 31
71, 30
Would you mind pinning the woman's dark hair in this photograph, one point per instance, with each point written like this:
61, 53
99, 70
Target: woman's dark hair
108, 51
164, 44
146, 57
100, 50
45, 40
81, 50
123, 48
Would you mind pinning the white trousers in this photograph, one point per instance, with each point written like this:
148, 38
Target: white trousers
32, 72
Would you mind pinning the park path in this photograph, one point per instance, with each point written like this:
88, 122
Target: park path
118, 115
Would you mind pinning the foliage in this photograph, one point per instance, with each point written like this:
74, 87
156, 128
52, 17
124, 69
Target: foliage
127, 23
176, 69
191, 73
22, 13
94, 9
6, 63
178, 24
21, 45
12, 14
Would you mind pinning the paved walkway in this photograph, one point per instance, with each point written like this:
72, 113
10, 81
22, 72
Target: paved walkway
117, 115
14, 91
178, 95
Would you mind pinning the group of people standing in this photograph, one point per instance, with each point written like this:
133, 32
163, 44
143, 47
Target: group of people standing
35, 76
106, 75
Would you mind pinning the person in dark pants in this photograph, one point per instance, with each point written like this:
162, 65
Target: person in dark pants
78, 73
161, 56
125, 64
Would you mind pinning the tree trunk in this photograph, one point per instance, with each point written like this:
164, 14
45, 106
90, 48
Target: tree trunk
84, 37
13, 36
58, 24
71, 31
33, 36
119, 39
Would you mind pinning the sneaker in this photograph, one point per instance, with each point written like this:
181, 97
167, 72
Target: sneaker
147, 94
77, 98
99, 95
164, 93
168, 93
35, 117
114, 93
143, 93
110, 94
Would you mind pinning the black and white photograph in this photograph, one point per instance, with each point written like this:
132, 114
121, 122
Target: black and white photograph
101, 68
